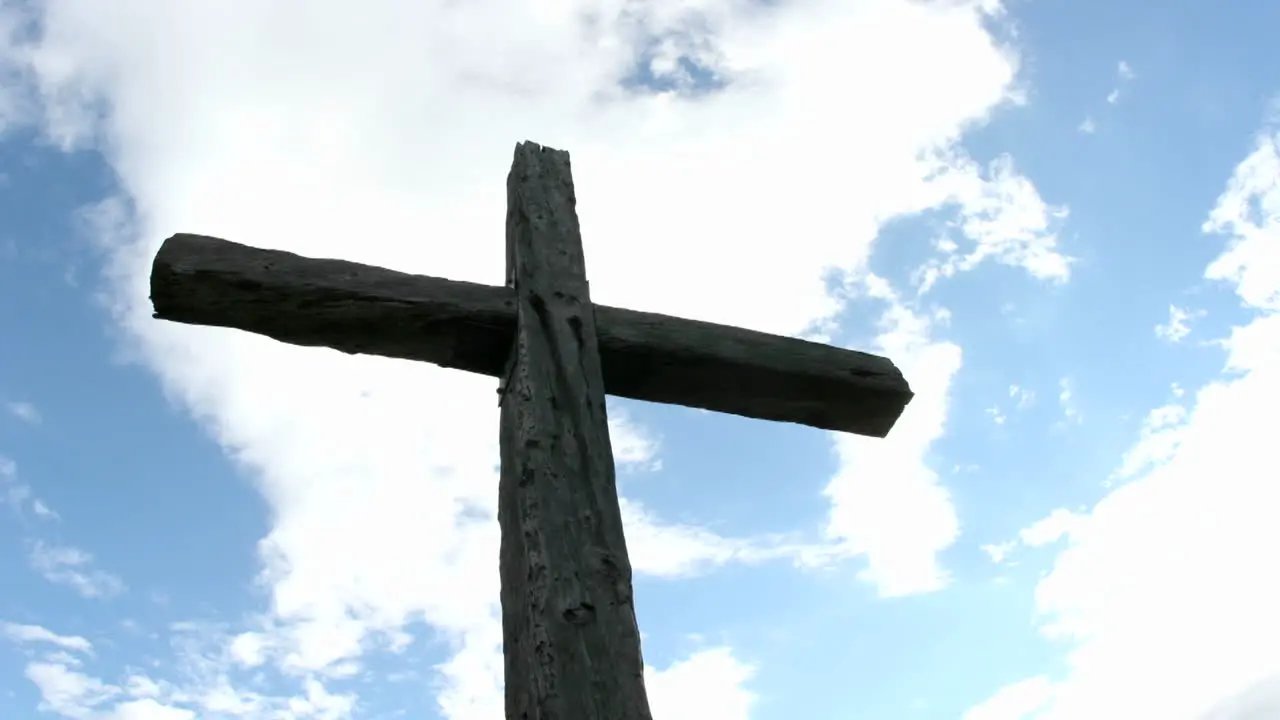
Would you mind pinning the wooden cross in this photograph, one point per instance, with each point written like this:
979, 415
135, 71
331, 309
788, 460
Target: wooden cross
570, 640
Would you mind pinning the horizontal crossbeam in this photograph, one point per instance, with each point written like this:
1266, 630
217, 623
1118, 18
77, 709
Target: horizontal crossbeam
362, 309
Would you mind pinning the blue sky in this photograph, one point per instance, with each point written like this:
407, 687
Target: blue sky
1061, 220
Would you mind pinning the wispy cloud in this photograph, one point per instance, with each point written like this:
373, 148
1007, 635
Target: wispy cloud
1051, 528
1067, 401
999, 552
14, 494
1178, 326
42, 511
36, 634
72, 567
1023, 397
1020, 398
18, 495
24, 411
634, 447
1124, 74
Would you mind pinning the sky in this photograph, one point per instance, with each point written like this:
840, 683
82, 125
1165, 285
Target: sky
1060, 219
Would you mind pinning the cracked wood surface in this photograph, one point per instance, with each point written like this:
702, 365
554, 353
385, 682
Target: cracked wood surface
572, 646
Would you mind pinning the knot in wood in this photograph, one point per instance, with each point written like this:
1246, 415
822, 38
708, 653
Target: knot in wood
580, 614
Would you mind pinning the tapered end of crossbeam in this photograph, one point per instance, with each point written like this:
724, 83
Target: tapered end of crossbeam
757, 375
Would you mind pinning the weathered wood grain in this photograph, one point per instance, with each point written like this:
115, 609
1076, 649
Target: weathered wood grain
572, 646
358, 308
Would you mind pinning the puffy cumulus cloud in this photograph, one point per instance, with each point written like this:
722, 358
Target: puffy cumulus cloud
1165, 589
383, 137
709, 683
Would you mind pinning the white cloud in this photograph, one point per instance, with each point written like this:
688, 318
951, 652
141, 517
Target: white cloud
14, 494
1014, 702
24, 411
1067, 401
1177, 327
999, 552
42, 511
1003, 215
19, 495
37, 634
1165, 588
399, 161
319, 703
1024, 397
1162, 432
1088, 126
634, 447
148, 709
248, 649
1049, 529
140, 686
1260, 701
1124, 74
70, 566
1247, 213
68, 692
74, 694
709, 683
887, 502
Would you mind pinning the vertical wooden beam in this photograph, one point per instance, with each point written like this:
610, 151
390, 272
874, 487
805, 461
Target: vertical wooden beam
572, 645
